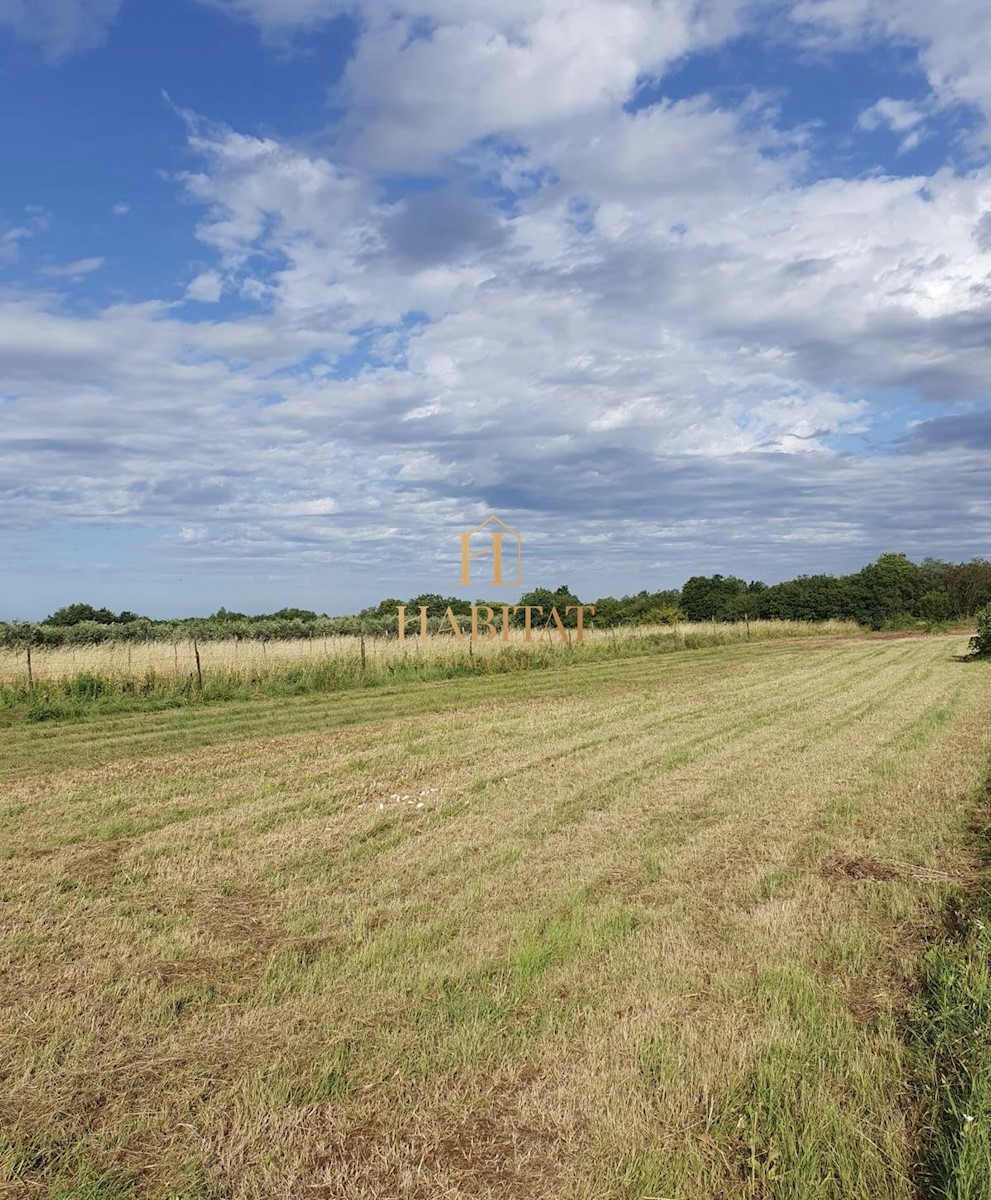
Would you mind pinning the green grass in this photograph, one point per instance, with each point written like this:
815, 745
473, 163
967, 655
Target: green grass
951, 1043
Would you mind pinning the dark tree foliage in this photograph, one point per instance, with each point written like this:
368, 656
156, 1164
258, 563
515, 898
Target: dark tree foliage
74, 614
561, 598
436, 605
711, 599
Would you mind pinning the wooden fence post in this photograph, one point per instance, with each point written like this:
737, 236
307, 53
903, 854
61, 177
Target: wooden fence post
199, 669
30, 674
364, 663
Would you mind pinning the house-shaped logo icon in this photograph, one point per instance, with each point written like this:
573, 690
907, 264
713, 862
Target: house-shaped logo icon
491, 536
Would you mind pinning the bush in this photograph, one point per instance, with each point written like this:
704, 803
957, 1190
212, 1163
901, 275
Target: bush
935, 608
901, 622
980, 645
664, 615
87, 686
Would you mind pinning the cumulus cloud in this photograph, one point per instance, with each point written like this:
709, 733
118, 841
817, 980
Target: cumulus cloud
60, 27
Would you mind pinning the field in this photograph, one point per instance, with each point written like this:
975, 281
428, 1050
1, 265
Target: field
652, 926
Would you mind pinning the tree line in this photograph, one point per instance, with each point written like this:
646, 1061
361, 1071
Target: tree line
891, 593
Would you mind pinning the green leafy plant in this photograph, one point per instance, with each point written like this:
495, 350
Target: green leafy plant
980, 644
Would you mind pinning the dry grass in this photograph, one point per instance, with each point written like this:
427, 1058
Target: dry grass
168, 660
641, 929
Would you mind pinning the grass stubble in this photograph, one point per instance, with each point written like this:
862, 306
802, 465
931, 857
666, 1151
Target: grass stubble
648, 928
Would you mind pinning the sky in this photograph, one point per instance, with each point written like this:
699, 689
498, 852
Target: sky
294, 291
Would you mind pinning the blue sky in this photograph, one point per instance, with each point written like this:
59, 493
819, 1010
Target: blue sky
292, 291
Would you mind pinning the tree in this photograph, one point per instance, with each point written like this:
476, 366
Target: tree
385, 609
437, 605
544, 598
969, 586
223, 615
711, 598
886, 590
75, 614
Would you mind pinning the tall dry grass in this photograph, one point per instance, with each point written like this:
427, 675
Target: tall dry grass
170, 662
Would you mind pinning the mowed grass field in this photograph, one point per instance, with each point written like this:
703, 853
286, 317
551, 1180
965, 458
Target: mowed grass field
637, 928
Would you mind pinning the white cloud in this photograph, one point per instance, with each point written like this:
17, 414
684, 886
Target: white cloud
498, 73
429, 76
897, 115
73, 270
207, 287
900, 116
10, 241
953, 40
284, 14
33, 223
60, 27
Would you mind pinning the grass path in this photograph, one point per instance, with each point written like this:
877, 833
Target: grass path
641, 928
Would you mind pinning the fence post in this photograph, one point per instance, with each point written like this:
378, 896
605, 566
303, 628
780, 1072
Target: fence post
199, 669
363, 661
30, 674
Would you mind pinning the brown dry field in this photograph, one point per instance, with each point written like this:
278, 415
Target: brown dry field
641, 928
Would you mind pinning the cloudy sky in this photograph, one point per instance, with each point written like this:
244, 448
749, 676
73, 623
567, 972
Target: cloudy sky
292, 291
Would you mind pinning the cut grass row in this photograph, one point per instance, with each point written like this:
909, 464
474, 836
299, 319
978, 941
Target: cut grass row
655, 932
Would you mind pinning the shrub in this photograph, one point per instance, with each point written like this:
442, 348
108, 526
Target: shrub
87, 686
664, 615
900, 623
980, 644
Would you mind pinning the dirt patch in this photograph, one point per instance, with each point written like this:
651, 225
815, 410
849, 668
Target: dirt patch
882, 870
862, 868
174, 972
96, 867
242, 918
473, 1156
